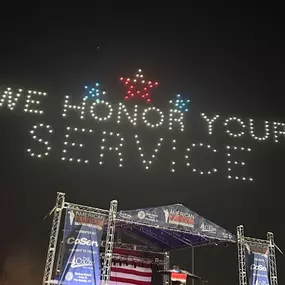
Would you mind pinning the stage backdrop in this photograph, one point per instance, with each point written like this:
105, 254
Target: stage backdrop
81, 248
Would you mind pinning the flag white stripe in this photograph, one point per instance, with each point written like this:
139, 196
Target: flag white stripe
130, 276
122, 283
138, 268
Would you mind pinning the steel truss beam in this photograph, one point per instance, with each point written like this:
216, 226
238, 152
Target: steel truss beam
241, 256
177, 231
272, 259
129, 258
134, 247
109, 242
178, 237
153, 235
92, 210
258, 243
152, 246
166, 266
49, 266
59, 258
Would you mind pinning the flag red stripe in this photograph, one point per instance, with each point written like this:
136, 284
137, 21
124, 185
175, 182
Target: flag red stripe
131, 271
129, 281
139, 264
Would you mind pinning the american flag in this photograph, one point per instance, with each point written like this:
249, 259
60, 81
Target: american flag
131, 274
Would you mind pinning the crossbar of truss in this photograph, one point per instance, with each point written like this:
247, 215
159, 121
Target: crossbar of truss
83, 208
256, 241
130, 258
133, 247
154, 235
136, 223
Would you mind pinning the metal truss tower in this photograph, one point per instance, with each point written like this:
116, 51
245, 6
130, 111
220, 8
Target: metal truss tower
109, 242
241, 255
166, 266
60, 200
272, 259
269, 244
55, 247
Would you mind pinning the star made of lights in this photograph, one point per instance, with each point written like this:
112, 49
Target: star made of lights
180, 104
138, 87
94, 92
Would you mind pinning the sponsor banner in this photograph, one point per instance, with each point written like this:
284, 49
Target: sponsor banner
257, 267
180, 277
81, 248
208, 228
169, 215
179, 217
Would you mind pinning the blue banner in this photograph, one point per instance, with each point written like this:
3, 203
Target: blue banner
257, 268
81, 248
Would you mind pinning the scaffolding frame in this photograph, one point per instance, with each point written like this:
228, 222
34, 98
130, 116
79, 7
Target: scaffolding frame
242, 241
166, 266
109, 242
51, 268
61, 204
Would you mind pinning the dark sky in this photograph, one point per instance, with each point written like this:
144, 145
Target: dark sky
226, 59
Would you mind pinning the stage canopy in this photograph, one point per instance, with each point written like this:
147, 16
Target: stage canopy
171, 227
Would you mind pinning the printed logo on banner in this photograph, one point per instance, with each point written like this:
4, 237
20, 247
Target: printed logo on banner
166, 215
81, 250
71, 217
227, 235
141, 215
180, 219
208, 228
149, 215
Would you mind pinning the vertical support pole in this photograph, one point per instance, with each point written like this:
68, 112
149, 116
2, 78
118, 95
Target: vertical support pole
272, 259
166, 266
60, 200
193, 263
241, 256
109, 242
59, 258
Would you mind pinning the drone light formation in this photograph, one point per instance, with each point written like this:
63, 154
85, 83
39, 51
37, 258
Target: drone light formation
120, 115
147, 162
237, 120
232, 163
138, 87
266, 130
94, 92
132, 118
189, 163
40, 140
180, 103
68, 143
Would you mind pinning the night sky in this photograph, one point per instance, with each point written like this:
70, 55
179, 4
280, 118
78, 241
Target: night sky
226, 60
